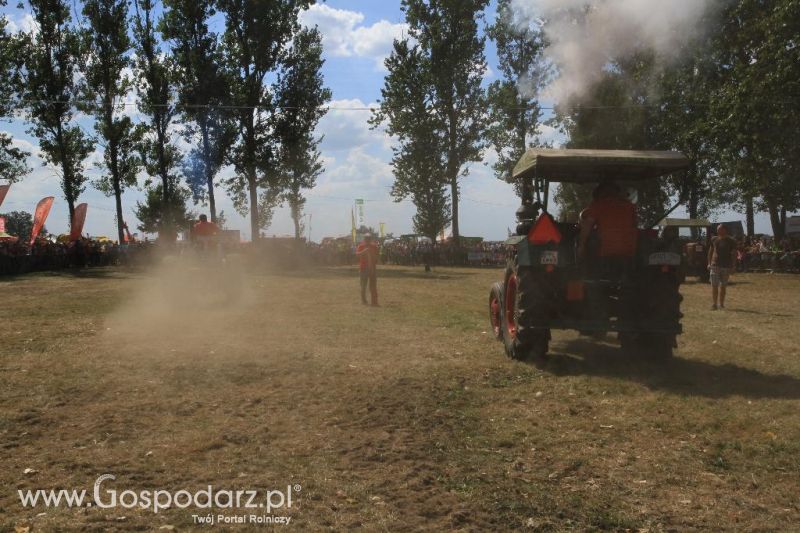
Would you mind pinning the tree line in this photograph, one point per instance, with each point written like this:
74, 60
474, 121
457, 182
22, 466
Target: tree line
248, 95
241, 82
728, 103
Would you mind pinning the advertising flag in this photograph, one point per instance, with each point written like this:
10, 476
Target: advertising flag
39, 217
353, 224
383, 229
3, 192
360, 212
76, 229
2, 224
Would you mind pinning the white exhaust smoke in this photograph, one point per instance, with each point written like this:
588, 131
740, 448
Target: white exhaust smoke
586, 35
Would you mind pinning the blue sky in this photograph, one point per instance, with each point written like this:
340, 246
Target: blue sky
357, 35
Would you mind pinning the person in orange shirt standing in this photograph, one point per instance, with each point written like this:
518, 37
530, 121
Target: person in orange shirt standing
203, 234
367, 252
204, 228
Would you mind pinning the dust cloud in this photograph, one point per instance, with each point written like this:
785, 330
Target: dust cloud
584, 36
183, 302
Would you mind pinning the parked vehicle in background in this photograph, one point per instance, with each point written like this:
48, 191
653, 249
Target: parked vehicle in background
694, 249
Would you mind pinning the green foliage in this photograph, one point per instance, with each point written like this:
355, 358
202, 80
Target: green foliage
203, 85
108, 45
439, 77
757, 59
12, 159
256, 44
683, 124
155, 216
727, 104
513, 105
155, 78
617, 113
13, 164
300, 94
419, 161
51, 88
128, 161
20, 224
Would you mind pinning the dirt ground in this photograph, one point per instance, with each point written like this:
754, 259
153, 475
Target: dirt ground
403, 417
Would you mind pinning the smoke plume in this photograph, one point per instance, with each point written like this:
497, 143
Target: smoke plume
585, 36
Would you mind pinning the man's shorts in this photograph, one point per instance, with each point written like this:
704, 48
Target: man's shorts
720, 275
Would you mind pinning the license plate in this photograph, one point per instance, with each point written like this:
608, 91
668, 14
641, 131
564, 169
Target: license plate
664, 258
548, 258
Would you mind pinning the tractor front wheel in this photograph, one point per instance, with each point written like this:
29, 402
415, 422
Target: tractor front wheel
495, 310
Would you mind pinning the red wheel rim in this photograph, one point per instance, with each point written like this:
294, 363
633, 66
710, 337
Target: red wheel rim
511, 301
494, 310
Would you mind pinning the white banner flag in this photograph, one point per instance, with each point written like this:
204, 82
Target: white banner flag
360, 219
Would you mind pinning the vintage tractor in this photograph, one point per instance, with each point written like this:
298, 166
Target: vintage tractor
695, 250
547, 285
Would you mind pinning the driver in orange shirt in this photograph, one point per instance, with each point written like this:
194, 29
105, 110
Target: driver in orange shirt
614, 218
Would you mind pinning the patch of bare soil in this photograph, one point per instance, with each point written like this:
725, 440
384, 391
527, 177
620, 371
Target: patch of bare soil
404, 417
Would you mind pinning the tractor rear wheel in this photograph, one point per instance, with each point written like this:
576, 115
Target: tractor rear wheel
524, 314
495, 310
664, 307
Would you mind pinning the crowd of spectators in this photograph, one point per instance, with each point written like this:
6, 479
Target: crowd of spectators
765, 253
17, 257
423, 252
761, 253
407, 252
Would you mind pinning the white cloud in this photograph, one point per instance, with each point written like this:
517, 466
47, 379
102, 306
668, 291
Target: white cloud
21, 22
376, 40
344, 35
358, 172
345, 126
551, 135
336, 26
27, 146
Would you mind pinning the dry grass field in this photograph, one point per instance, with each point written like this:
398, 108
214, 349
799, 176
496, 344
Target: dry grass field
403, 417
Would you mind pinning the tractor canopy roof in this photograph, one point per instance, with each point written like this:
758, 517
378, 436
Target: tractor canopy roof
591, 166
685, 222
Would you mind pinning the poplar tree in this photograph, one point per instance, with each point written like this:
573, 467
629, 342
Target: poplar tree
203, 87
255, 45
155, 79
12, 159
108, 83
300, 96
52, 88
451, 67
513, 100
419, 159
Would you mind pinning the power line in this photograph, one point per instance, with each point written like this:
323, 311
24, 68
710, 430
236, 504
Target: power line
25, 104
312, 195
486, 203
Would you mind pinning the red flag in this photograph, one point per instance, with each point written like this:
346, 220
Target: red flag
3, 192
77, 222
42, 210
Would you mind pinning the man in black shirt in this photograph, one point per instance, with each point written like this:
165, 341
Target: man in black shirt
721, 261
